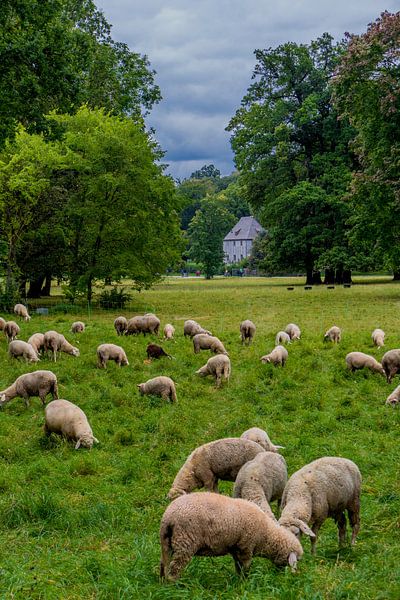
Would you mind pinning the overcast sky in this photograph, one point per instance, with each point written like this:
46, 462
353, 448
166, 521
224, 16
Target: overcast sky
203, 54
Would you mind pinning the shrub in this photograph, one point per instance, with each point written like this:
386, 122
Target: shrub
115, 298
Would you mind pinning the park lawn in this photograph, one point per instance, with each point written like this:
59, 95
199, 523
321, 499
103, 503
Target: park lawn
84, 524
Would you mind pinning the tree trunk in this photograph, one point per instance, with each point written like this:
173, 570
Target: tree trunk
396, 275
309, 277
347, 276
35, 287
329, 278
22, 288
47, 285
316, 278
89, 289
339, 275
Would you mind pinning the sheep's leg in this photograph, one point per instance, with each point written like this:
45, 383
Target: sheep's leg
242, 561
341, 523
354, 518
177, 564
55, 355
42, 396
26, 400
218, 377
315, 529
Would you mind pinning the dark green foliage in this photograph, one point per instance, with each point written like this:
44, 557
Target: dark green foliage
114, 298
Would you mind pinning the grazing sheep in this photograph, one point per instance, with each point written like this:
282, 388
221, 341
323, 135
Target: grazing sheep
394, 397
169, 331
77, 327
293, 330
327, 487
148, 323
38, 383
155, 351
217, 365
255, 434
11, 330
391, 363
2, 323
282, 338
67, 419
56, 342
17, 349
120, 325
37, 342
278, 356
207, 524
192, 328
359, 360
333, 334
262, 480
378, 337
247, 331
210, 462
21, 311
159, 386
106, 352
203, 341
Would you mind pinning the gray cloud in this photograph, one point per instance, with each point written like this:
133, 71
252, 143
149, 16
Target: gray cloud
203, 55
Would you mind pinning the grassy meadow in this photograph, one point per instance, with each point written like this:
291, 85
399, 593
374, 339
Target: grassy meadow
84, 524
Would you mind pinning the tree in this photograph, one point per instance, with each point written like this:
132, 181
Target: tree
206, 171
207, 230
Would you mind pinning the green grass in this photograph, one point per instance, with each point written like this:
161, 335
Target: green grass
84, 524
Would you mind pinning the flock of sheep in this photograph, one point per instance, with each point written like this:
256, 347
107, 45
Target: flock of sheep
208, 523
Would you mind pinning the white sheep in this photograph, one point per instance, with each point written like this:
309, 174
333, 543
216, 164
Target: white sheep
333, 334
37, 383
169, 331
326, 487
21, 311
106, 352
159, 386
359, 360
77, 327
278, 356
378, 337
293, 330
391, 363
11, 330
67, 419
56, 342
394, 397
214, 525
37, 342
203, 341
282, 338
192, 328
18, 348
218, 366
120, 325
247, 331
147, 323
2, 323
255, 434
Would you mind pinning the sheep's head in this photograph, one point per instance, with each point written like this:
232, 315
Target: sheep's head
202, 371
175, 493
86, 441
393, 400
2, 400
141, 387
75, 351
265, 359
297, 527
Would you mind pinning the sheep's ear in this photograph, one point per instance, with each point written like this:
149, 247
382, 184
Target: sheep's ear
292, 560
305, 529
78, 444
96, 441
279, 447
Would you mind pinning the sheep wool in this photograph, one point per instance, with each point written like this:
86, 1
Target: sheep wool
219, 366
67, 419
37, 383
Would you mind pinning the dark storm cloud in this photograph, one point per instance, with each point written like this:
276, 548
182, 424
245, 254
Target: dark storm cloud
203, 55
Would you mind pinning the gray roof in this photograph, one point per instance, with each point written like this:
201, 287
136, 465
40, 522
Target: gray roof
245, 229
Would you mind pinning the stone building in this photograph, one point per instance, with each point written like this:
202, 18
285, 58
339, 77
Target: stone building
239, 241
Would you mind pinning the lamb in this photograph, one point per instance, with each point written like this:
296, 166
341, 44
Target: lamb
169, 331
282, 338
37, 342
219, 366
247, 331
155, 351
21, 311
2, 323
326, 487
106, 352
359, 360
221, 459
203, 341
262, 480
120, 325
278, 356
391, 363
394, 397
159, 386
255, 434
56, 342
207, 524
19, 348
67, 419
11, 330
37, 383
333, 334
378, 337
192, 328
78, 327
293, 330
147, 323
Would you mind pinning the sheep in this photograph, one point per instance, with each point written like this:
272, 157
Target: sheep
21, 311
293, 330
282, 338
203, 341
19, 348
11, 330
192, 328
106, 352
2, 323
210, 462
169, 331
159, 386
207, 524
255, 434
37, 342
56, 342
333, 334
148, 323
262, 480
278, 356
37, 383
359, 360
394, 397
217, 365
67, 419
324, 488
155, 351
378, 337
78, 327
391, 363
120, 325
247, 331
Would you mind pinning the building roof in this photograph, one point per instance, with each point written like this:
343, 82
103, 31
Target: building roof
247, 228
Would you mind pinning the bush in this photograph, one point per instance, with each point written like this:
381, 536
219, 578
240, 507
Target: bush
115, 298
8, 299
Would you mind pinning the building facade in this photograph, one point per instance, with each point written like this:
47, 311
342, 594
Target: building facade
239, 241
